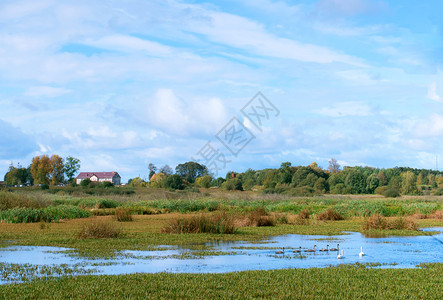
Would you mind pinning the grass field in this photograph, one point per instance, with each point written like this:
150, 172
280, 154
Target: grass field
53, 220
345, 282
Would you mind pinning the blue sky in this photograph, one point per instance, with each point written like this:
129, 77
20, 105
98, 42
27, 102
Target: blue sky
120, 84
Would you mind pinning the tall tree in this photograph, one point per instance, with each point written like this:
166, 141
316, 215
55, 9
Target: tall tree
334, 166
72, 165
166, 169
190, 170
40, 169
57, 171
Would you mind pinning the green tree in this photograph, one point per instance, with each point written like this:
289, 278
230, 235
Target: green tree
372, 182
355, 182
409, 182
174, 182
190, 170
320, 185
72, 166
204, 181
166, 169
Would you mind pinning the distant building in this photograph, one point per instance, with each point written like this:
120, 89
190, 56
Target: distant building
99, 177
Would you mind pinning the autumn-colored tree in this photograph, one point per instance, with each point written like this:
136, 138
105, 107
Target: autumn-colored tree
47, 170
57, 170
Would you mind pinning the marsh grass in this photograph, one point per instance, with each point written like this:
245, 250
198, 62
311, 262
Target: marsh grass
330, 215
99, 229
219, 223
381, 223
123, 214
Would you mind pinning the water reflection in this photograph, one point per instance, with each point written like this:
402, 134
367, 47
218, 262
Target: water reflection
390, 252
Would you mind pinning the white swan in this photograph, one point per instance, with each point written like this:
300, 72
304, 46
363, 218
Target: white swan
340, 256
361, 252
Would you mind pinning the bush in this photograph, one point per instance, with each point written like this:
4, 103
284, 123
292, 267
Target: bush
85, 182
123, 214
391, 193
330, 215
44, 187
99, 229
107, 184
381, 190
438, 192
220, 223
233, 184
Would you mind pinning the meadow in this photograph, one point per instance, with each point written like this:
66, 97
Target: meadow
99, 224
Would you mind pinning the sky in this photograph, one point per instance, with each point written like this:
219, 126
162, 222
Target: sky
121, 84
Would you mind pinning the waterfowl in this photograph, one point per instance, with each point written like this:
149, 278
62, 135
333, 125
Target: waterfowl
340, 256
280, 251
297, 250
361, 252
335, 249
325, 249
311, 250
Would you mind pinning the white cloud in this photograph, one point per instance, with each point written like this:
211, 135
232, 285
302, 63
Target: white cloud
243, 33
130, 44
345, 109
46, 91
432, 93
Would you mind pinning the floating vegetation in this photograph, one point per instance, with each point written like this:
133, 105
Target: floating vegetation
27, 272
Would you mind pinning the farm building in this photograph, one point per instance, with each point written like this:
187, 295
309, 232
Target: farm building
99, 177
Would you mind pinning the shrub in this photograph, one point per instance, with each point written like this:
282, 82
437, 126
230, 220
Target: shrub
380, 190
391, 193
123, 214
438, 192
107, 184
220, 223
99, 229
85, 182
330, 215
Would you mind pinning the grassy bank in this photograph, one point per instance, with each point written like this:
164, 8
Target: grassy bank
345, 282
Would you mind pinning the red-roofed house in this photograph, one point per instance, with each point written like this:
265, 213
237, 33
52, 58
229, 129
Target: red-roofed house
100, 177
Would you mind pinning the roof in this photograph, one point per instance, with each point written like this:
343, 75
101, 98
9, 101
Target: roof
84, 175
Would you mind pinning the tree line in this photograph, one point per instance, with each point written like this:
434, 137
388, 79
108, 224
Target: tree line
301, 180
44, 169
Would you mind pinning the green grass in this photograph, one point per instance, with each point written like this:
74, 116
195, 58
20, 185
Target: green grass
345, 282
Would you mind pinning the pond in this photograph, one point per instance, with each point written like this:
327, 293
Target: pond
21, 263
